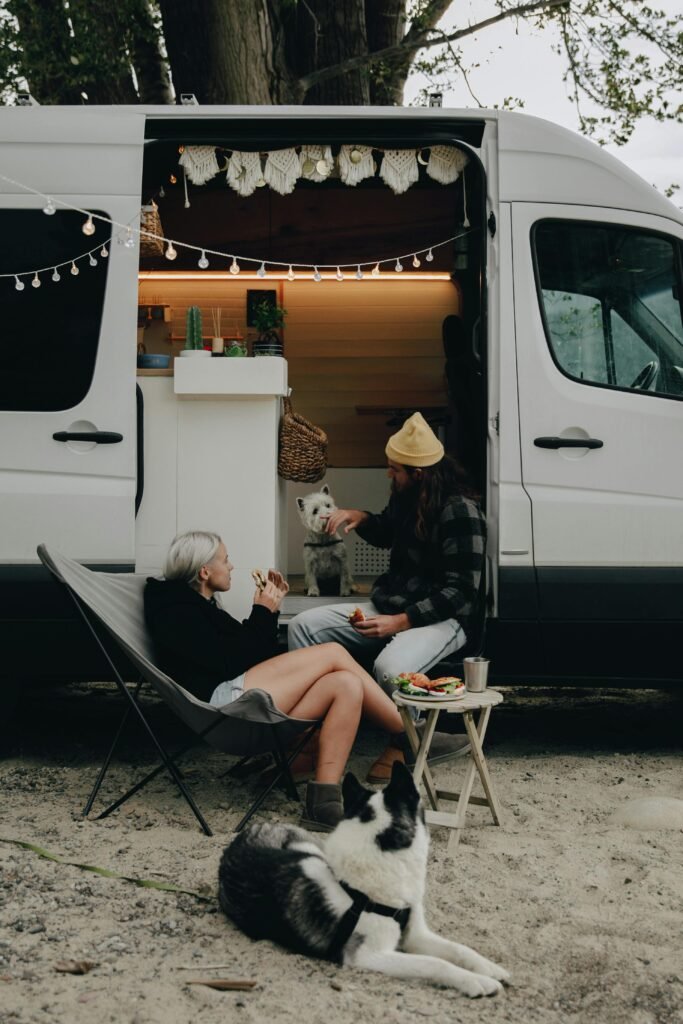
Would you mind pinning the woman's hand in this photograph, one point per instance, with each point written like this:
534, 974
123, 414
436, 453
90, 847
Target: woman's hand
270, 597
349, 518
278, 579
382, 625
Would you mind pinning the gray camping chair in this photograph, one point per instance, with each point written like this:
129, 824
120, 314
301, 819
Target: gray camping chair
250, 726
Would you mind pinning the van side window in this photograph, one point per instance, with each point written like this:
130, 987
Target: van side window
611, 304
49, 334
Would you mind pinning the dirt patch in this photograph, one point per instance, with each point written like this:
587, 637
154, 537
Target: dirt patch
585, 914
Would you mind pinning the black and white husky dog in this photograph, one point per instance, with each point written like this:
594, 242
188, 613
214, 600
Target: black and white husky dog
357, 900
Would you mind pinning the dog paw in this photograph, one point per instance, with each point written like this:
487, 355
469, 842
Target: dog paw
478, 985
313, 592
492, 970
354, 588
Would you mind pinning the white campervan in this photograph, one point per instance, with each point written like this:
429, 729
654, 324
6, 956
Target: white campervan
508, 278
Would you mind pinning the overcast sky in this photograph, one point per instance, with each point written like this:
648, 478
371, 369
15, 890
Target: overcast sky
516, 62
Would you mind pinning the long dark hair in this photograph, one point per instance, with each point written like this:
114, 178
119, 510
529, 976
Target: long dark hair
437, 483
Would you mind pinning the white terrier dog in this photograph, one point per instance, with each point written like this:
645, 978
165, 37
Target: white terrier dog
325, 556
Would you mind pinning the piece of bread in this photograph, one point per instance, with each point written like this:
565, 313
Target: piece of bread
259, 577
356, 616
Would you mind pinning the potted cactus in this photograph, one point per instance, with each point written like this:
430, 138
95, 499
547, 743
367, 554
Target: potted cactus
193, 333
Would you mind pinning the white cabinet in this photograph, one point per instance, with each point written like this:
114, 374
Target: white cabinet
211, 445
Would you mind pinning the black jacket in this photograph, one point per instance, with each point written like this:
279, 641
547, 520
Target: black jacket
200, 645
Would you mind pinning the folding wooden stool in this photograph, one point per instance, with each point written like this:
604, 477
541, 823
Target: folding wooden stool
466, 706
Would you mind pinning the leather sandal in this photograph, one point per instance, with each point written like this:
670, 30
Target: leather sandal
442, 748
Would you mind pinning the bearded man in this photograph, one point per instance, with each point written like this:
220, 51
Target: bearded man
420, 610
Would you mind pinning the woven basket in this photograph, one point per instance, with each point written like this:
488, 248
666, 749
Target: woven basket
151, 221
303, 448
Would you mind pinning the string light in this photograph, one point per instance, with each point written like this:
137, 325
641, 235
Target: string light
375, 270
74, 269
416, 261
56, 276
92, 261
88, 228
104, 252
339, 275
399, 267
317, 276
234, 266
35, 283
202, 262
49, 207
359, 274
290, 273
170, 252
130, 240
430, 256
261, 270
19, 284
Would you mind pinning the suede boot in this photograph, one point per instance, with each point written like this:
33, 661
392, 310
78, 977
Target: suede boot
324, 808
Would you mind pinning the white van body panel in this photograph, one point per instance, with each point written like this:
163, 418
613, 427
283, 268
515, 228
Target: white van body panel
621, 505
77, 497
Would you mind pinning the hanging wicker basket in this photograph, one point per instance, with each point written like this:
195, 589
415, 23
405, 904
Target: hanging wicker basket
151, 221
303, 448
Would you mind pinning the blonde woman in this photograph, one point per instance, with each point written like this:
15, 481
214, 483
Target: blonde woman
217, 658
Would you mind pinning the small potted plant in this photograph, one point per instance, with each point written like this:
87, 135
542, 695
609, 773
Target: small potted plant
268, 319
194, 345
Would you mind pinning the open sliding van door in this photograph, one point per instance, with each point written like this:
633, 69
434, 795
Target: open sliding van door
67, 386
600, 376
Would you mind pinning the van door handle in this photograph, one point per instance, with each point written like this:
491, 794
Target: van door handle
567, 442
98, 436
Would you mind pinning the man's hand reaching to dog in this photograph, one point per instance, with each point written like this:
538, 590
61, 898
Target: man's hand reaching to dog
379, 626
349, 518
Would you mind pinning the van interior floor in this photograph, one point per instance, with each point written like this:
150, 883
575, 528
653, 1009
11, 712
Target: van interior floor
297, 600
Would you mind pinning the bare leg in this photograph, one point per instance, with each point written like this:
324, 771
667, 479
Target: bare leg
337, 698
287, 678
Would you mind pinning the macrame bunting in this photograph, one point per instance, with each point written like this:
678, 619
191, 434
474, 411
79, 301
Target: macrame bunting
199, 163
244, 172
399, 169
445, 164
355, 164
316, 162
282, 170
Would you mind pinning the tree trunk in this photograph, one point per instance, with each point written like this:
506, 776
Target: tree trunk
151, 70
326, 34
386, 26
227, 52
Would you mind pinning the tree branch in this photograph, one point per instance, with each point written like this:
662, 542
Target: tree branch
422, 41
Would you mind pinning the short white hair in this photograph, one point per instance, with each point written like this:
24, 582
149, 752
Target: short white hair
188, 553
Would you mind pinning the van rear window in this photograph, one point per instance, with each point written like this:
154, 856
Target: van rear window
611, 303
49, 334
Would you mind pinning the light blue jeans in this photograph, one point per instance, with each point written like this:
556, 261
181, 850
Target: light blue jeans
414, 650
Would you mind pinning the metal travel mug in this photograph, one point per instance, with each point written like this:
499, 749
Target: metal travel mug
476, 674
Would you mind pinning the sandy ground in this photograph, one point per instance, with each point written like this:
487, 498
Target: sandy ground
586, 915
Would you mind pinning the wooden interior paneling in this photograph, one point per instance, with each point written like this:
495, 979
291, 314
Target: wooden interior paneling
352, 343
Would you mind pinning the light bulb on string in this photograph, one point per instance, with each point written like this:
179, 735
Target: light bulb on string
375, 270
261, 272
234, 266
339, 275
416, 261
290, 273
399, 267
130, 240
162, 192
74, 269
19, 284
35, 283
92, 261
104, 252
88, 227
359, 274
56, 276
49, 207
430, 256
170, 252
317, 276
202, 262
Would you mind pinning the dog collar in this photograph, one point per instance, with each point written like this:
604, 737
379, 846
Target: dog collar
362, 904
326, 544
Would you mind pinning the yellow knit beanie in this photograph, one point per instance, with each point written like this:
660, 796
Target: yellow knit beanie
415, 444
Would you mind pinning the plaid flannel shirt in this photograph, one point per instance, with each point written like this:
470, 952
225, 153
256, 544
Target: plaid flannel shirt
429, 580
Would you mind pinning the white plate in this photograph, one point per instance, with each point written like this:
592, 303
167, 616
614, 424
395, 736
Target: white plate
433, 696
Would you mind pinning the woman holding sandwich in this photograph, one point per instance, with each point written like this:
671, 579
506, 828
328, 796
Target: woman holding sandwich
217, 658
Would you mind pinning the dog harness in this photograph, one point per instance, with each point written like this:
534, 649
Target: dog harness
362, 904
322, 544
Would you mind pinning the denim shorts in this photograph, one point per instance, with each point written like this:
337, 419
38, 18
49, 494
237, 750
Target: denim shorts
226, 693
